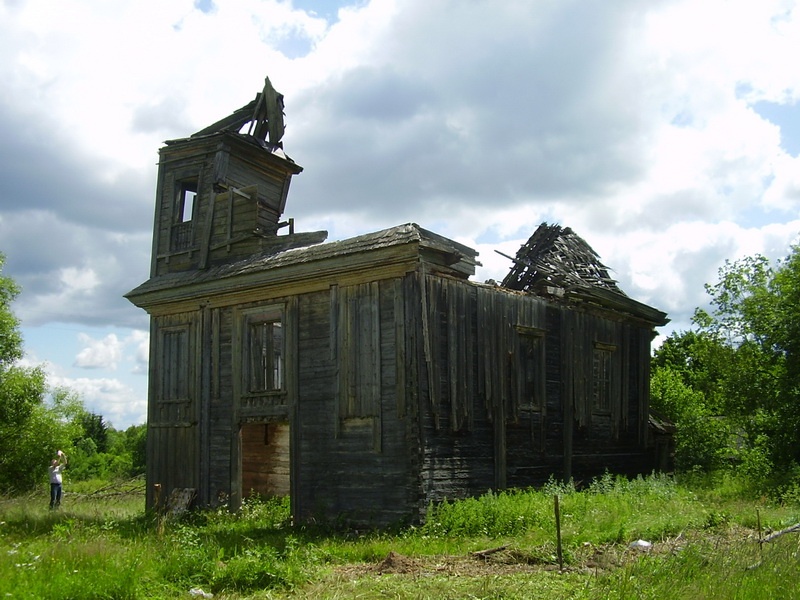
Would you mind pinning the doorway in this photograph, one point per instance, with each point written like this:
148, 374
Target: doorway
265, 459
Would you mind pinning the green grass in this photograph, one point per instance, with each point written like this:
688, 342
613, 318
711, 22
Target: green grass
101, 544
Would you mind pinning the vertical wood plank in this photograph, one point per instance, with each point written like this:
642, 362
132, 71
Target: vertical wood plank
208, 340
400, 364
374, 400
625, 388
567, 370
429, 338
466, 355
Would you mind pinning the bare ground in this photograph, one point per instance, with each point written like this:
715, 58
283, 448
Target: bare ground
506, 560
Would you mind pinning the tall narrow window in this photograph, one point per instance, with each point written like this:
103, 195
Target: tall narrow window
187, 194
183, 213
263, 347
266, 356
175, 364
601, 377
356, 344
531, 370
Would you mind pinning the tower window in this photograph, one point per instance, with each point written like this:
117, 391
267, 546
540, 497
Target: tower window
187, 196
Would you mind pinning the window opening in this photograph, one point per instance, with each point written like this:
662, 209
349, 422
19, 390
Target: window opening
601, 377
532, 366
266, 356
187, 196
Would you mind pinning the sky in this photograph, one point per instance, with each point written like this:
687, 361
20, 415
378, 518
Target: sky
665, 133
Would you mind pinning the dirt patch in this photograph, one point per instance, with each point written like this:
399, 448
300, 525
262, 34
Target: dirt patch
506, 562
396, 563
509, 560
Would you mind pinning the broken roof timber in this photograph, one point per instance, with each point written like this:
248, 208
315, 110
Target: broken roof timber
558, 258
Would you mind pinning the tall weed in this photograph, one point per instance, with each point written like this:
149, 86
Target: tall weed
703, 548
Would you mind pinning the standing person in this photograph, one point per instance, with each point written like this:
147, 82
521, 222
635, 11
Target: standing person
56, 467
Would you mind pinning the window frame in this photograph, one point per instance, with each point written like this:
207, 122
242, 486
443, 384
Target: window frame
602, 377
186, 193
531, 391
251, 319
174, 353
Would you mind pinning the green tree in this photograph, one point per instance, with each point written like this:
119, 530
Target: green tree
699, 360
31, 428
22, 392
96, 429
136, 444
755, 313
123, 458
701, 436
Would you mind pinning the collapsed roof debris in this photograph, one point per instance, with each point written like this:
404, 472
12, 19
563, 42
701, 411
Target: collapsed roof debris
264, 113
557, 257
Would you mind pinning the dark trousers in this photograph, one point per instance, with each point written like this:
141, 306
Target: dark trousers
55, 495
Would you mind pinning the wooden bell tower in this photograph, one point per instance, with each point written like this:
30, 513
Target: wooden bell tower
222, 191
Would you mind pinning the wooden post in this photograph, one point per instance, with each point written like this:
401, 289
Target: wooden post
560, 554
760, 541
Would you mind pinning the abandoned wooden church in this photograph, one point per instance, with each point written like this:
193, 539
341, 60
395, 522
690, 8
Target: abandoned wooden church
368, 377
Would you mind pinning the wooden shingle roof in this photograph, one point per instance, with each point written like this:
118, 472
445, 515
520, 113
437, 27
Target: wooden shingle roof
408, 243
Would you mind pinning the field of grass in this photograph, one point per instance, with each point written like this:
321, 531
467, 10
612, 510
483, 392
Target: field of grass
703, 543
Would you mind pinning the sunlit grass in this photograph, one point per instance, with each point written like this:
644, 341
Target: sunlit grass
101, 544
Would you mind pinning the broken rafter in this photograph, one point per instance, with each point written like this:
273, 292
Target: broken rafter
559, 257
233, 122
264, 113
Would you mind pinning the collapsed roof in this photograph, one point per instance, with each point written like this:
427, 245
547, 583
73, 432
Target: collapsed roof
557, 257
557, 261
264, 113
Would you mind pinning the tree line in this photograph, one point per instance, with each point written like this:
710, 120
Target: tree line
36, 421
731, 383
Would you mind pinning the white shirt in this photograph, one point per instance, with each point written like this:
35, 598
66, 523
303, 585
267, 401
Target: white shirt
55, 473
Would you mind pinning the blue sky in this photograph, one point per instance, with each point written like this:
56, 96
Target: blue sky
787, 118
665, 133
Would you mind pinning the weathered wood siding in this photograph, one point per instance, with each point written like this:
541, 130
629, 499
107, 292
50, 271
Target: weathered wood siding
398, 392
507, 388
173, 450
612, 439
354, 445
240, 196
222, 430
476, 402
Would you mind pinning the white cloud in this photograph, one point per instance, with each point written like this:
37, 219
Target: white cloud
634, 125
139, 342
102, 353
118, 403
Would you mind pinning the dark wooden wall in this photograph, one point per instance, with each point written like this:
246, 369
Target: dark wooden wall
240, 198
173, 458
399, 392
354, 460
480, 429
